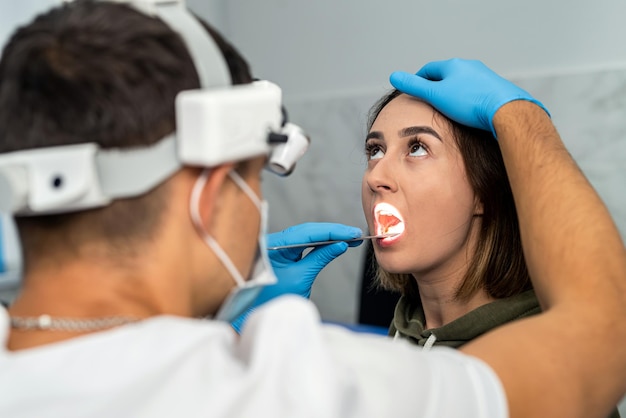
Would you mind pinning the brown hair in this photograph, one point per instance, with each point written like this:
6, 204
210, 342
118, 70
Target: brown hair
103, 73
498, 265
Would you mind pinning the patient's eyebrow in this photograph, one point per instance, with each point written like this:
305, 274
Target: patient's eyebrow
375, 135
414, 130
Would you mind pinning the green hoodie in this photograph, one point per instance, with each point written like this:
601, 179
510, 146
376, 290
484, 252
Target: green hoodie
408, 322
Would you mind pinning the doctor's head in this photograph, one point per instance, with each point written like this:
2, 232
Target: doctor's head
104, 73
442, 188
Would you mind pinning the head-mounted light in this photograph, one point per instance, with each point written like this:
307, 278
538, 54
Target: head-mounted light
217, 123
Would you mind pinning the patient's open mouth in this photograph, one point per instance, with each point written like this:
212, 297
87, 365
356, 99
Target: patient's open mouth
388, 220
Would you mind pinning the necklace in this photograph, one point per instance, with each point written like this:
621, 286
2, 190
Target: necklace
48, 323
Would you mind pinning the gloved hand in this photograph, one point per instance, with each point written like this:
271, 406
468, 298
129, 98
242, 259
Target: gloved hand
465, 91
295, 273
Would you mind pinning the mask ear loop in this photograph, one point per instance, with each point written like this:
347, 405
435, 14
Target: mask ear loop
244, 186
194, 211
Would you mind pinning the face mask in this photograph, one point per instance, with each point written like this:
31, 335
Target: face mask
246, 291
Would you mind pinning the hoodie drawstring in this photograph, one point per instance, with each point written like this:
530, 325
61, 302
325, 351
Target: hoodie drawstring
429, 342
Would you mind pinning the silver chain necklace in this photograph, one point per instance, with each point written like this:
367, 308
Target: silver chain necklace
48, 323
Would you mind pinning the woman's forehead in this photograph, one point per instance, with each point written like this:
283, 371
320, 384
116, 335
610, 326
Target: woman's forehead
406, 110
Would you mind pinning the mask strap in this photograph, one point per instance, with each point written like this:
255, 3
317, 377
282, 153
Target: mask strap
194, 209
245, 187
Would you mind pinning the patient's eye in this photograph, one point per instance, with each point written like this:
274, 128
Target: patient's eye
417, 148
373, 151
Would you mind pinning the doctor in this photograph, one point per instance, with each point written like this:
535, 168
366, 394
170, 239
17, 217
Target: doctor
132, 160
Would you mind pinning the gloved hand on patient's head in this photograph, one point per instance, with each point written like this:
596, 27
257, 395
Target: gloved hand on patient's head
297, 273
463, 90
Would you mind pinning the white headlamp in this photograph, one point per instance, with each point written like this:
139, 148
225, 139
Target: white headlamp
217, 123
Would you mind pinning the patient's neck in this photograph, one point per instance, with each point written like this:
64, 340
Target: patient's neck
441, 305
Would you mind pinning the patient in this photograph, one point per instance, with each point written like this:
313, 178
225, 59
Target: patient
456, 257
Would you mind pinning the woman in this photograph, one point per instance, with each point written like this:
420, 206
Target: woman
457, 260
454, 252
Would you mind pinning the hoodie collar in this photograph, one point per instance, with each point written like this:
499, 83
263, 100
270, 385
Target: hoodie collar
409, 320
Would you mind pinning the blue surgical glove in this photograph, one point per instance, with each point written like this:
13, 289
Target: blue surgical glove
465, 91
295, 273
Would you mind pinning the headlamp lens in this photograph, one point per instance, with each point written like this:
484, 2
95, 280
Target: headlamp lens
287, 147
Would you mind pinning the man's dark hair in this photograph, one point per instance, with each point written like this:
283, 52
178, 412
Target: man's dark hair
103, 73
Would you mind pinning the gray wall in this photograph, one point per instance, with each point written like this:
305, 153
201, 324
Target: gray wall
346, 46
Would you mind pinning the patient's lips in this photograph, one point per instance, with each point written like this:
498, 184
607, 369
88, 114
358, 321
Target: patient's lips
387, 220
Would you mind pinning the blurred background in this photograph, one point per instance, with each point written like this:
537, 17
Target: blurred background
333, 58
